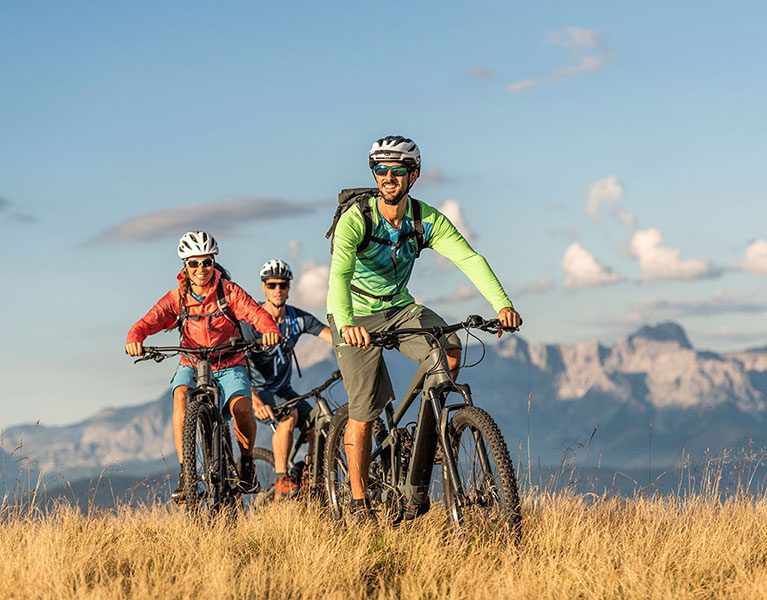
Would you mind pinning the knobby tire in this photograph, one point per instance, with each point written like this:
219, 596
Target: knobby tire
502, 507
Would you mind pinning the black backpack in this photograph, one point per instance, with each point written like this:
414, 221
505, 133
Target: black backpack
361, 197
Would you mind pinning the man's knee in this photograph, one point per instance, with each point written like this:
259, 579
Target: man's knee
289, 423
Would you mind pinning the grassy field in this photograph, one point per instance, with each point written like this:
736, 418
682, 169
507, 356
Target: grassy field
574, 547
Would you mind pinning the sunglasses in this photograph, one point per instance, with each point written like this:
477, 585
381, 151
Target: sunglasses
283, 285
383, 170
205, 262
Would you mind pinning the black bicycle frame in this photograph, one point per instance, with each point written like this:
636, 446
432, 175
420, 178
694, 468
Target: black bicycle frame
320, 422
220, 438
431, 426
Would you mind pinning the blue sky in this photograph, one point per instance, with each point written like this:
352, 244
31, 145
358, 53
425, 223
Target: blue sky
607, 158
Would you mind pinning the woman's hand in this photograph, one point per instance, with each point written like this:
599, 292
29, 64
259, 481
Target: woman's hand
271, 338
134, 348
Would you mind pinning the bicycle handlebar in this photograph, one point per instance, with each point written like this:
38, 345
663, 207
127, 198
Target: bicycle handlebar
281, 409
389, 339
160, 353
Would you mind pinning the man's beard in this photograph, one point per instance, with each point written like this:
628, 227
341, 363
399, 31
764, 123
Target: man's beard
397, 199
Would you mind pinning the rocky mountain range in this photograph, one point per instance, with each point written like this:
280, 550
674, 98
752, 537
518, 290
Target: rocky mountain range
646, 399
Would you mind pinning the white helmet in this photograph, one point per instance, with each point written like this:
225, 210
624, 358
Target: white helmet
395, 148
196, 243
276, 269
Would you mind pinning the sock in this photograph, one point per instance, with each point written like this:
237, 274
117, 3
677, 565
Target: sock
278, 475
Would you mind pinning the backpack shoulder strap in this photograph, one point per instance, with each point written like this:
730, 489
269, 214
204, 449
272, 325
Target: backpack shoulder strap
346, 199
183, 314
224, 308
363, 203
420, 237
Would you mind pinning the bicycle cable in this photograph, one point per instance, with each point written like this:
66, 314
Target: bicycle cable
466, 354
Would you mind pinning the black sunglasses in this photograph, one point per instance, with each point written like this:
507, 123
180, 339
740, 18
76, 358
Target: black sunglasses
383, 170
205, 262
283, 285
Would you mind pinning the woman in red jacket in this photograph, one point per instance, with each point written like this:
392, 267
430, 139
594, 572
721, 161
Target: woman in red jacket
194, 308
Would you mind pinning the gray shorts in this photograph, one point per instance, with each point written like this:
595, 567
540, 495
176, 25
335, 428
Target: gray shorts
365, 376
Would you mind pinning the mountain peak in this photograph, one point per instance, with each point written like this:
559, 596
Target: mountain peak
663, 332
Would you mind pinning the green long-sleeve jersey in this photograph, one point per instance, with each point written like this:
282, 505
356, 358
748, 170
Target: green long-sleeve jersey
378, 271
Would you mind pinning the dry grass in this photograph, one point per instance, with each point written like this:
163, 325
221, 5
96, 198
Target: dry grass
573, 548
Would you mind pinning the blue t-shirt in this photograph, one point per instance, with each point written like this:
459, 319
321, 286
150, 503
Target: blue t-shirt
272, 369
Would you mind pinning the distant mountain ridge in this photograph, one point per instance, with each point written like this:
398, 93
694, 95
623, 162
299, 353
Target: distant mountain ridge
649, 396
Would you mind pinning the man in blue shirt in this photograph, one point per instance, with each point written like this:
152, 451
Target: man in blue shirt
271, 370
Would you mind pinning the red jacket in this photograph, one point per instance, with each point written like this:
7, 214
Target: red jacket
205, 332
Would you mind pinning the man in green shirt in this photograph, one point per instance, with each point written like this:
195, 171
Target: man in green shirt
368, 291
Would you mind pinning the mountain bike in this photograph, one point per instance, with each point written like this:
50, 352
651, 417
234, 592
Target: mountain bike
307, 473
478, 480
210, 473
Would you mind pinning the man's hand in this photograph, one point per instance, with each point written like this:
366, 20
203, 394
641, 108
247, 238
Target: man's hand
509, 318
271, 338
134, 348
355, 336
263, 411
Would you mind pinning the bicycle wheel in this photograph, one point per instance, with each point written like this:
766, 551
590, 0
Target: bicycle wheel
486, 473
230, 491
200, 488
380, 493
263, 461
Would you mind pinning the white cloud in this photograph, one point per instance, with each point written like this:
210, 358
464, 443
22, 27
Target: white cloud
311, 286
582, 269
576, 39
294, 246
540, 286
311, 350
434, 177
661, 262
569, 233
523, 84
452, 210
721, 302
462, 293
216, 217
585, 64
481, 73
584, 45
756, 258
608, 193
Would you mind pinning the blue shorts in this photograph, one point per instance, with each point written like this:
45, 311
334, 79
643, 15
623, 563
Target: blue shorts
233, 381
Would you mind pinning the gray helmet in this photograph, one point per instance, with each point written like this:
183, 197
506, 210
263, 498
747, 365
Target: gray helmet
196, 243
276, 269
395, 148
